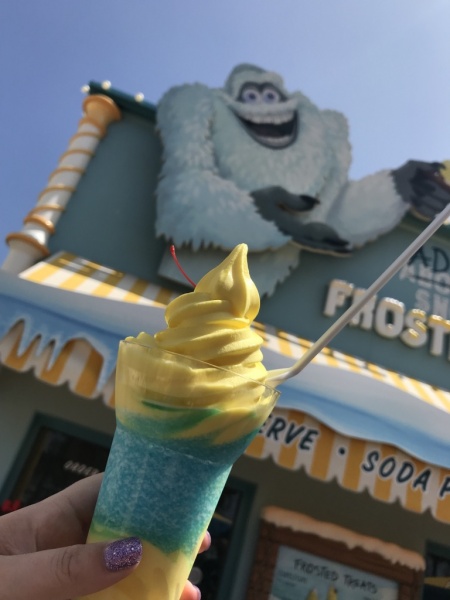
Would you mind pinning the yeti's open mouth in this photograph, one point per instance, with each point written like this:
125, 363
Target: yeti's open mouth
273, 132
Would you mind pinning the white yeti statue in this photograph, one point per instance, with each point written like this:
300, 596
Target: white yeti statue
255, 163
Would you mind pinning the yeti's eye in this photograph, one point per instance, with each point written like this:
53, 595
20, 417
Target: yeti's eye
250, 95
270, 95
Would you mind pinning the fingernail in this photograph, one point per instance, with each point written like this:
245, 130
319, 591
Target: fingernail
123, 554
208, 538
199, 594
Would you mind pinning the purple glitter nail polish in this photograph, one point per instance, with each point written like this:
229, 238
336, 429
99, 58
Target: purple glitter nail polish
123, 554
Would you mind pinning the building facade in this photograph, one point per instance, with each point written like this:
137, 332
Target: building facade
346, 488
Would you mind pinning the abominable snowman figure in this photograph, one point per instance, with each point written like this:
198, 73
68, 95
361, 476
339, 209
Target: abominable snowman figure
255, 163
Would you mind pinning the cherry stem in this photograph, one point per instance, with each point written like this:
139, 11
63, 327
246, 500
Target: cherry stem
182, 271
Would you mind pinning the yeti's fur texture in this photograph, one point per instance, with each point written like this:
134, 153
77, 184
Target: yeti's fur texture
211, 164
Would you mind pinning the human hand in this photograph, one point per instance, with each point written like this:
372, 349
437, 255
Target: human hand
43, 554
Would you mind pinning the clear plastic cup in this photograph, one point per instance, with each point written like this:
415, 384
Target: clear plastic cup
181, 424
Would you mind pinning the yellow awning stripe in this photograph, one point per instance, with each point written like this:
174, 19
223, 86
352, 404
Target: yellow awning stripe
444, 397
383, 486
321, 461
288, 452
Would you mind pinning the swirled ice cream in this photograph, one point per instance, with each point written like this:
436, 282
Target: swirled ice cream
189, 400
213, 324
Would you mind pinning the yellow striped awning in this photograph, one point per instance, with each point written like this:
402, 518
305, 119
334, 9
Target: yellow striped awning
69, 272
295, 440
293, 347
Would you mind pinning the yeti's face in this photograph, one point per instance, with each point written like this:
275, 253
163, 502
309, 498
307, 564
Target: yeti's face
266, 114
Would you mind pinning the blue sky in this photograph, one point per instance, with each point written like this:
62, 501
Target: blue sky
384, 64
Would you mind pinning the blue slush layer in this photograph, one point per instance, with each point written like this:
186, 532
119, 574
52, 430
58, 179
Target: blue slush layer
173, 422
157, 491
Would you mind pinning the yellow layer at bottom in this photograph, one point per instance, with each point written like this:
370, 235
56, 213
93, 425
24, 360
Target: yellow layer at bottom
159, 576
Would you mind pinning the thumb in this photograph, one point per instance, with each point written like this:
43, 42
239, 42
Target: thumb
68, 572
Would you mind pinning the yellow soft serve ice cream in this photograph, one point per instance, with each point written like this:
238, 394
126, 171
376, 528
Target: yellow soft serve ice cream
213, 324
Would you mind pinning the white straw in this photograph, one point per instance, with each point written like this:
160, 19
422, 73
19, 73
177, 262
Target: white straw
281, 375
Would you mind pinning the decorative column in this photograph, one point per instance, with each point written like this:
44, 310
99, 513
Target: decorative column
30, 244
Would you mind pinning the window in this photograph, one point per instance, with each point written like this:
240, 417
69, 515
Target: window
437, 572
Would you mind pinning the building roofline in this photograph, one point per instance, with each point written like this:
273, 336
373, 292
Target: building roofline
131, 104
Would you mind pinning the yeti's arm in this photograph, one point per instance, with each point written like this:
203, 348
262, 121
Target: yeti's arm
374, 205
367, 208
195, 205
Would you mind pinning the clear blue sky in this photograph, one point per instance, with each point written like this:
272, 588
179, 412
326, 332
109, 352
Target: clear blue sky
385, 64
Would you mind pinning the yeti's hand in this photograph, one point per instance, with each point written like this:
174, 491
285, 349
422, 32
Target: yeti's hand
275, 202
320, 238
315, 237
421, 185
